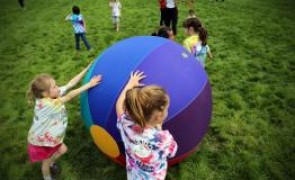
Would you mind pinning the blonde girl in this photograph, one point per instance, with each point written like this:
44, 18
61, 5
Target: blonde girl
141, 112
45, 137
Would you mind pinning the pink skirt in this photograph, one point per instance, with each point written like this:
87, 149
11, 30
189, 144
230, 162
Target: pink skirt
40, 153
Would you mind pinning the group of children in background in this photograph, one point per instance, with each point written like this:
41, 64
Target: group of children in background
140, 109
79, 24
197, 35
195, 43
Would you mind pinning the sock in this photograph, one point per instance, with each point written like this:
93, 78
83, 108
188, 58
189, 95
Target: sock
47, 177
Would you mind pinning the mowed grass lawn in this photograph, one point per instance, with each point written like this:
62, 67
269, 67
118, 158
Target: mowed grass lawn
251, 135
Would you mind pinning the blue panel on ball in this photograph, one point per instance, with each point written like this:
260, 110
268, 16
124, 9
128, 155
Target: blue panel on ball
165, 63
115, 65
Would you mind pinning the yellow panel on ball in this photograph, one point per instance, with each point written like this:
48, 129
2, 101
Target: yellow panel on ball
105, 142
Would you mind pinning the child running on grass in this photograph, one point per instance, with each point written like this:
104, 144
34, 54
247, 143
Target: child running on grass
202, 48
45, 137
116, 13
79, 26
196, 43
192, 28
141, 112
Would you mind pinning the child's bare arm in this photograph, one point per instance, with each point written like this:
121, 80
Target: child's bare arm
73, 82
134, 80
84, 25
68, 17
209, 54
93, 82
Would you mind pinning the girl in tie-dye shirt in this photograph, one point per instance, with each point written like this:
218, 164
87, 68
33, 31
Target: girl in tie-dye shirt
45, 138
141, 112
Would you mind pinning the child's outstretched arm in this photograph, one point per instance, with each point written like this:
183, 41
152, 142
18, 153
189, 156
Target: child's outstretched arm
73, 82
93, 82
209, 53
134, 80
84, 24
68, 17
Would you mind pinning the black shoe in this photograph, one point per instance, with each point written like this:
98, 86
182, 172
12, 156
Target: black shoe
54, 170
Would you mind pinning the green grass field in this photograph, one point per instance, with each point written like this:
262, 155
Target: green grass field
251, 135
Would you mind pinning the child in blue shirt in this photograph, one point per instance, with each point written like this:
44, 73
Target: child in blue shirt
201, 48
79, 27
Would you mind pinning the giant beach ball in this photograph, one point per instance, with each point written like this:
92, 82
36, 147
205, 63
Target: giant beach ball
165, 63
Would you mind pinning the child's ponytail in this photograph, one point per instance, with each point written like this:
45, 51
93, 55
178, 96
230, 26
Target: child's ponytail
203, 35
133, 104
140, 103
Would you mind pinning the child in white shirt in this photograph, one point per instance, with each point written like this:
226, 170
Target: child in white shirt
116, 12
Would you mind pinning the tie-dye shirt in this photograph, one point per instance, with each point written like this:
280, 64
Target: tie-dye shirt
78, 23
147, 151
49, 123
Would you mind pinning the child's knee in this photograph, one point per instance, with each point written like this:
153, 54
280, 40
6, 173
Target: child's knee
63, 149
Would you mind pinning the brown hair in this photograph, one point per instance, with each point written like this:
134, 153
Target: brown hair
38, 85
140, 103
193, 22
203, 34
163, 31
196, 24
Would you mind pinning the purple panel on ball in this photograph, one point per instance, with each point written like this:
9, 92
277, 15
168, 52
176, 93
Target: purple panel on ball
173, 68
190, 125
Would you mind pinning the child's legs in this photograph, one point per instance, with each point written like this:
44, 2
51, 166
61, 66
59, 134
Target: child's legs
85, 41
162, 16
117, 22
167, 17
46, 167
22, 3
174, 20
77, 40
114, 21
62, 149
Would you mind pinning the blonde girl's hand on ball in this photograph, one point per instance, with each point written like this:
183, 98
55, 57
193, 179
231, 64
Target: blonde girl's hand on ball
95, 81
135, 78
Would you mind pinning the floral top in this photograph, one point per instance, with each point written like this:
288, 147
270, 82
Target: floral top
147, 151
49, 123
